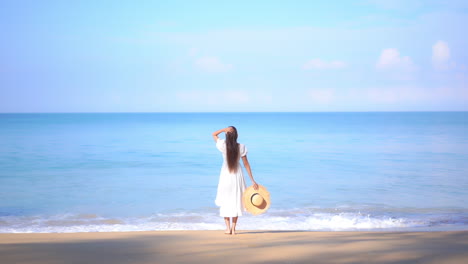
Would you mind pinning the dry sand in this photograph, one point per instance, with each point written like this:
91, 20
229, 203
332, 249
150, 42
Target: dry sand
246, 247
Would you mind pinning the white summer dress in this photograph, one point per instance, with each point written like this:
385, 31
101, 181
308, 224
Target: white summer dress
231, 186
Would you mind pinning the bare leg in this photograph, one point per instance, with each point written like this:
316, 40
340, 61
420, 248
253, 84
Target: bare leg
228, 226
234, 222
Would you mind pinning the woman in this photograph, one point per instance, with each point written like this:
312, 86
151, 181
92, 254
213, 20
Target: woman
231, 180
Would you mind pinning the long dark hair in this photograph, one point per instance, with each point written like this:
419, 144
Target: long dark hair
232, 150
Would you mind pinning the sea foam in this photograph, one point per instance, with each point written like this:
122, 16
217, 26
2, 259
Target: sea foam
276, 220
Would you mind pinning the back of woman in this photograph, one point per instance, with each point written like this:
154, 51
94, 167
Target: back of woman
231, 184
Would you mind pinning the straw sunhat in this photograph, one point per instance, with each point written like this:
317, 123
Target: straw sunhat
256, 201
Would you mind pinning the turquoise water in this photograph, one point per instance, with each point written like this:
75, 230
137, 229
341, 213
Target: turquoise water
159, 171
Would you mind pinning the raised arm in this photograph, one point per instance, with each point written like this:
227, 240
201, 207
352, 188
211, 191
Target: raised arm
247, 167
216, 133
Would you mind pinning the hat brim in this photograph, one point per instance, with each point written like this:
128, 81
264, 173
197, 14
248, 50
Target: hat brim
247, 199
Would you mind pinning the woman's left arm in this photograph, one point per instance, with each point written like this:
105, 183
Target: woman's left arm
216, 133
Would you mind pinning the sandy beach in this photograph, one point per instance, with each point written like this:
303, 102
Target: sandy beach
246, 247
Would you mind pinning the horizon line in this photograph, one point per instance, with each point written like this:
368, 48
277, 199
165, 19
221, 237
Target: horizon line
243, 112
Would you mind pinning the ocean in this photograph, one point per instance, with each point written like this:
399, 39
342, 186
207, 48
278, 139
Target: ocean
364, 171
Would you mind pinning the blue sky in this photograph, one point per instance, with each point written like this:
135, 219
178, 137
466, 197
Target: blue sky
233, 56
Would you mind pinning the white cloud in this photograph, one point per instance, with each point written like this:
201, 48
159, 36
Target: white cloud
318, 64
415, 94
386, 98
390, 59
321, 96
440, 55
212, 64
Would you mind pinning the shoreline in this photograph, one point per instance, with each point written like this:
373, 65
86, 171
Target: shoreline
252, 246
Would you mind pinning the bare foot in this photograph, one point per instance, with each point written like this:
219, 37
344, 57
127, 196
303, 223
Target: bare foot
227, 232
234, 232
